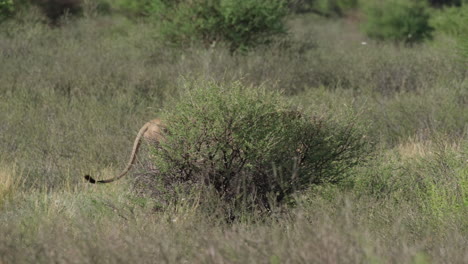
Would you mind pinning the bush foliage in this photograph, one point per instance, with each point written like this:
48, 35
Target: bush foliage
249, 146
241, 24
6, 9
452, 21
398, 20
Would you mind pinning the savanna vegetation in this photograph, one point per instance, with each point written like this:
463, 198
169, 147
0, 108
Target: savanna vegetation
299, 131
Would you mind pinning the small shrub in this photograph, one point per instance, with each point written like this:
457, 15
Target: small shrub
249, 148
6, 9
398, 20
452, 21
242, 24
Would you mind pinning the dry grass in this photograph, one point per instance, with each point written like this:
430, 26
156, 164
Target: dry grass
415, 149
109, 225
10, 181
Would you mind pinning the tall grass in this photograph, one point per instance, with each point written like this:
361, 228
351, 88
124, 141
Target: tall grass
73, 97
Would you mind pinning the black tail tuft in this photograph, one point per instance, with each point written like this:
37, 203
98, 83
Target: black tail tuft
90, 179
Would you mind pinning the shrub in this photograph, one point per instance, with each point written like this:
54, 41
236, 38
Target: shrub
6, 9
398, 20
452, 21
250, 148
240, 23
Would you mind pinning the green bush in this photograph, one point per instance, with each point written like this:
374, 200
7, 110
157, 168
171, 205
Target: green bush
242, 24
9, 9
250, 148
452, 21
398, 20
6, 9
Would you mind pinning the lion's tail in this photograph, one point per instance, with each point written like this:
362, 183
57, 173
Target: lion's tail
136, 146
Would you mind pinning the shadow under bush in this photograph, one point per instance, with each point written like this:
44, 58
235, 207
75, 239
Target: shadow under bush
245, 149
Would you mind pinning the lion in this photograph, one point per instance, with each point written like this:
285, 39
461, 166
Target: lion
153, 131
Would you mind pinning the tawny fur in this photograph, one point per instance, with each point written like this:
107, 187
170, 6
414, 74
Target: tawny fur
152, 132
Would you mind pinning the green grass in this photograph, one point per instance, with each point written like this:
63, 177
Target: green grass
73, 97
